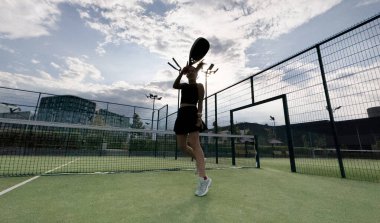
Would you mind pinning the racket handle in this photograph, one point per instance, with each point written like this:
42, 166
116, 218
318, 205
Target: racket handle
173, 66
176, 63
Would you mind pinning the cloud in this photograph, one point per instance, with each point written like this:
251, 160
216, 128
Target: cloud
34, 61
78, 70
55, 65
366, 2
230, 26
27, 19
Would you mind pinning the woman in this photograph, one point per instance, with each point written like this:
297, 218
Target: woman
189, 122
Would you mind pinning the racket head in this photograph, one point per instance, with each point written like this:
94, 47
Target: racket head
198, 50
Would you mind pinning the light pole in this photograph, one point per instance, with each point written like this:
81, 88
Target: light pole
334, 109
208, 72
356, 128
154, 98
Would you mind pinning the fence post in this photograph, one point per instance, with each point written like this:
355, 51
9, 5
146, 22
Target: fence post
332, 121
206, 123
232, 139
35, 110
216, 131
257, 151
166, 118
252, 91
289, 134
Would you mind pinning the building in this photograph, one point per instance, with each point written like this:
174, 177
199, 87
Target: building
67, 109
373, 112
105, 117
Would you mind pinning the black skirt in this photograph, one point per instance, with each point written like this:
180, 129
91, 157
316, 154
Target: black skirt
186, 121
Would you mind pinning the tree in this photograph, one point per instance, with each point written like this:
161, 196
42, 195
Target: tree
137, 123
99, 120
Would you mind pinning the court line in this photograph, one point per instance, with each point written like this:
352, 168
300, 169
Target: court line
33, 178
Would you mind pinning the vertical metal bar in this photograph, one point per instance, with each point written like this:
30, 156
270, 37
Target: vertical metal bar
105, 121
206, 123
331, 115
176, 150
154, 100
232, 139
252, 91
166, 117
35, 110
158, 118
257, 151
216, 130
154, 135
206, 112
289, 134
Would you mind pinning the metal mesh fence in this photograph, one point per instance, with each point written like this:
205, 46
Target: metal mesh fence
327, 121
162, 118
333, 104
30, 147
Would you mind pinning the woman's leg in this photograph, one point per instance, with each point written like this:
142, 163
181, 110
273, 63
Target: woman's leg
193, 139
182, 143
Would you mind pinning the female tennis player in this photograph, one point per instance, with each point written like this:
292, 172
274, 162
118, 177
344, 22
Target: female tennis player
189, 122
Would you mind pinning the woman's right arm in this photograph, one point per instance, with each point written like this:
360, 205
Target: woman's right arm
177, 82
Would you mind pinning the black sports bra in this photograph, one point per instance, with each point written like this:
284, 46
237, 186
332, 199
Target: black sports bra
189, 94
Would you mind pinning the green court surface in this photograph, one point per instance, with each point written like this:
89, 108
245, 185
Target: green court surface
269, 194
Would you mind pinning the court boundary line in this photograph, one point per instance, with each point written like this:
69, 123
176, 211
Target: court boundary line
96, 173
34, 178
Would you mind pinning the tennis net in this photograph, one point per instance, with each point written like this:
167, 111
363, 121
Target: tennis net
29, 147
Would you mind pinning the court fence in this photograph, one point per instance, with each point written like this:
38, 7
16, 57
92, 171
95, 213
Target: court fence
327, 110
326, 101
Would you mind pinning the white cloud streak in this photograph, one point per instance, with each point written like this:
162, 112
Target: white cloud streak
78, 70
27, 19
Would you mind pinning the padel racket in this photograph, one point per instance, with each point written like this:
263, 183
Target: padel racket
198, 50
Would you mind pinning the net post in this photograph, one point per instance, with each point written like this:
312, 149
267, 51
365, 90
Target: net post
257, 151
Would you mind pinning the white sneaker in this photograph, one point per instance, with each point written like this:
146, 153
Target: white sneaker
203, 186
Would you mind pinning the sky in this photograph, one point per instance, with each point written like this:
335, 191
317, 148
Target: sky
117, 50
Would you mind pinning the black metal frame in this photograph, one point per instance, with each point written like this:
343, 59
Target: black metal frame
287, 124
